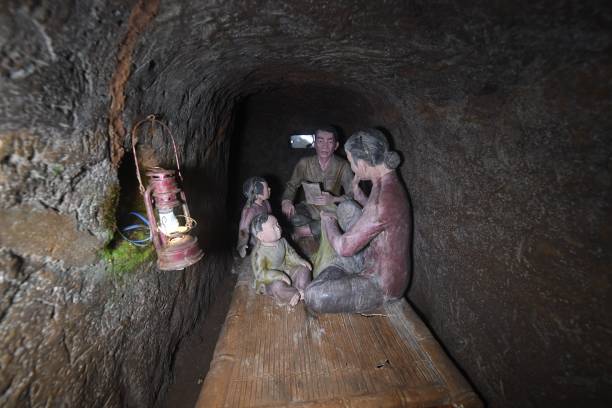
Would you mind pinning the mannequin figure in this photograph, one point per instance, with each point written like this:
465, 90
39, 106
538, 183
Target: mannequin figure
278, 270
257, 193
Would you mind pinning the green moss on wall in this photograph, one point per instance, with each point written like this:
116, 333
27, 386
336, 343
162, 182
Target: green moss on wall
57, 169
108, 208
123, 258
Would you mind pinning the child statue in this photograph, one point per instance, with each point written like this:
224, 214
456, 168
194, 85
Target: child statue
257, 193
279, 271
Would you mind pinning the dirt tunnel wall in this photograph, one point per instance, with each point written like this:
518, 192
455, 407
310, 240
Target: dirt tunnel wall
501, 112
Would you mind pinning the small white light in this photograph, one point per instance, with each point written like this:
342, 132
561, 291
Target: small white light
168, 222
302, 141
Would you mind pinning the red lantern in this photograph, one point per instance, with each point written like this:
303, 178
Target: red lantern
167, 211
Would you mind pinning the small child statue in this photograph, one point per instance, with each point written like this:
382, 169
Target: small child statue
279, 271
257, 193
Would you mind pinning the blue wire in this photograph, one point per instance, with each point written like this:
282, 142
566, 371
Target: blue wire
137, 242
140, 216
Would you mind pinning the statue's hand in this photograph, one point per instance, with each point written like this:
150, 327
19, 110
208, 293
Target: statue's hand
288, 208
324, 199
286, 279
329, 197
328, 215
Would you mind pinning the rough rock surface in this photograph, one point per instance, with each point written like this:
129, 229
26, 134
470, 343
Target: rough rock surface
500, 109
72, 333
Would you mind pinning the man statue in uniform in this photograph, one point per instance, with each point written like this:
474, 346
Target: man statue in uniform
335, 176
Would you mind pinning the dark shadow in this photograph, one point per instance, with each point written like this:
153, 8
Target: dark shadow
204, 191
192, 358
130, 198
235, 199
448, 353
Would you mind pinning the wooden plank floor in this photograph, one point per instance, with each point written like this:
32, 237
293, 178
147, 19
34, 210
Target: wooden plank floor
273, 356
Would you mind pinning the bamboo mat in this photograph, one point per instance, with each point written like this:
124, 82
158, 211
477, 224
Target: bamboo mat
273, 356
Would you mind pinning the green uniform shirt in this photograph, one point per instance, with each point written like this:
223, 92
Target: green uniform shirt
337, 176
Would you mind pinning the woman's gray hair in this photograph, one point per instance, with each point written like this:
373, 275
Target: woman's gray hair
371, 146
251, 188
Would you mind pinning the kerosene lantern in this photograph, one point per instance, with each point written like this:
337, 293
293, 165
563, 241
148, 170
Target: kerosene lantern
167, 211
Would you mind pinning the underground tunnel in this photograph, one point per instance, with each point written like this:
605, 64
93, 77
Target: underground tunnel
500, 112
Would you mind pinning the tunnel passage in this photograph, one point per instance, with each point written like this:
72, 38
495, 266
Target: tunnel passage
265, 121
501, 110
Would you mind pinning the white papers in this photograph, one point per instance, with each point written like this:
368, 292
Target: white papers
311, 191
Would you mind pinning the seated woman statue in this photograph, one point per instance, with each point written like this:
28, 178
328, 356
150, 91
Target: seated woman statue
382, 231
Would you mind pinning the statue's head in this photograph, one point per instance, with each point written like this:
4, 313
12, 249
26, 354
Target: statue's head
265, 228
326, 142
254, 187
370, 146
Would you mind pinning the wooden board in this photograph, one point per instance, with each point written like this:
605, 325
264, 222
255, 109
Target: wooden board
272, 356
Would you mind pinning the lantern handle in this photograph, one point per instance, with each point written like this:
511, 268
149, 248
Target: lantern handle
152, 119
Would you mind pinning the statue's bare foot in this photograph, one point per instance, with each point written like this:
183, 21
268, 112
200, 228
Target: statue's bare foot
294, 300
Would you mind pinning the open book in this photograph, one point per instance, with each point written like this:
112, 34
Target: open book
311, 191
